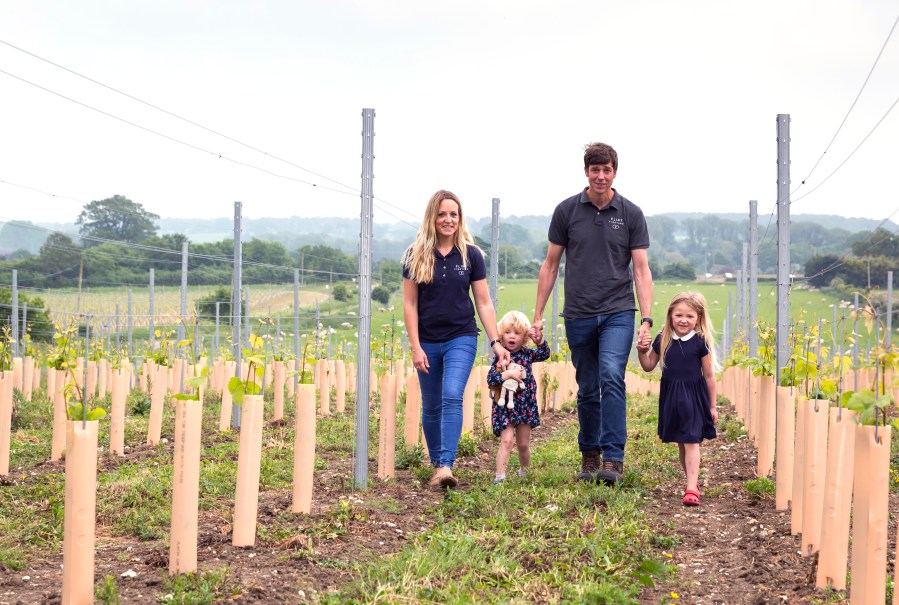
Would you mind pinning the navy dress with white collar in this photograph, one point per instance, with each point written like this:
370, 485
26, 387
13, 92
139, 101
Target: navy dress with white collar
685, 413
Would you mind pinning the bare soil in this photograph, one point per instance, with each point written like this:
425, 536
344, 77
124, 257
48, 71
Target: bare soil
733, 549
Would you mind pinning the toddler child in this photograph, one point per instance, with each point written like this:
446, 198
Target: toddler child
513, 425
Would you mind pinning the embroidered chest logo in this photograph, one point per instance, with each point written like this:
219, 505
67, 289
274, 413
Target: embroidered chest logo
616, 223
460, 269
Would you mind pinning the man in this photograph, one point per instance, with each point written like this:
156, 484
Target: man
602, 234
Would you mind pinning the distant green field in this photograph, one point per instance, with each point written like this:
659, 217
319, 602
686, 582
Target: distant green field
277, 300
521, 294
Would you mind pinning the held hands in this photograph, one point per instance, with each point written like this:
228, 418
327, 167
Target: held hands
536, 331
644, 341
643, 335
503, 357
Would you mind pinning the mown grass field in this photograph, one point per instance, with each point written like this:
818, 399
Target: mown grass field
274, 300
807, 305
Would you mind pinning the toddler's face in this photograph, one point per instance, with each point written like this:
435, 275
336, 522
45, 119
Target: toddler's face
513, 340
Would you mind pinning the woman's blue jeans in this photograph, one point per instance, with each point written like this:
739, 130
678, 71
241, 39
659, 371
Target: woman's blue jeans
441, 395
599, 350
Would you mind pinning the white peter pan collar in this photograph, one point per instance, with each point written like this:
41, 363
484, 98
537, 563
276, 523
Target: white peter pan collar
686, 336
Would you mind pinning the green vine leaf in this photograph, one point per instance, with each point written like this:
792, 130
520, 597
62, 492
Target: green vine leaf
76, 412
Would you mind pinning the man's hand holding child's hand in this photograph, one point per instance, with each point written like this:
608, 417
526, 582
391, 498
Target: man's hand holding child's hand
644, 343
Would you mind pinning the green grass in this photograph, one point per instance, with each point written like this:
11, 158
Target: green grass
107, 591
540, 537
200, 589
760, 489
134, 495
520, 295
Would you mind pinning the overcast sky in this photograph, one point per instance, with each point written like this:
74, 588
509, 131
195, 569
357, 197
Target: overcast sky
485, 98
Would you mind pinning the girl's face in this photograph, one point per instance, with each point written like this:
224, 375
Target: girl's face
683, 319
513, 340
447, 220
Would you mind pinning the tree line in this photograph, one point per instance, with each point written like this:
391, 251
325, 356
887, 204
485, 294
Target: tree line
683, 246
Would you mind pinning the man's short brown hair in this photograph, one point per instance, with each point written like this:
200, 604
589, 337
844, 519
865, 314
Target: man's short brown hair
600, 153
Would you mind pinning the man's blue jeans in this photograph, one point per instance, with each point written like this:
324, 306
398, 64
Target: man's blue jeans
600, 347
441, 395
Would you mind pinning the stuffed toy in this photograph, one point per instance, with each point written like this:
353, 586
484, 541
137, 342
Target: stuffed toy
504, 394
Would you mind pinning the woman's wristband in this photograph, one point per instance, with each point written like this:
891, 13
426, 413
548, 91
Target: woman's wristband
495, 341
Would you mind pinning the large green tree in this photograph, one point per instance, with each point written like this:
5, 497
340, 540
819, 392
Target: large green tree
116, 218
324, 263
879, 243
39, 327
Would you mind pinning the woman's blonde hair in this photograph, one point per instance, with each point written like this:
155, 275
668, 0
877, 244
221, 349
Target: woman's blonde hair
519, 322
419, 257
695, 301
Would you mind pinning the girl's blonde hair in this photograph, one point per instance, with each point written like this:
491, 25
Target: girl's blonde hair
419, 257
519, 322
695, 301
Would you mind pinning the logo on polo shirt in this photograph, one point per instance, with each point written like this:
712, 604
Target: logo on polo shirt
616, 223
460, 269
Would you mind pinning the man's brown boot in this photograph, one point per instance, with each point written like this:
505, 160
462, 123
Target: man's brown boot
611, 473
590, 461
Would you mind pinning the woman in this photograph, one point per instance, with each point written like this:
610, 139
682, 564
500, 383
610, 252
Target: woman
439, 268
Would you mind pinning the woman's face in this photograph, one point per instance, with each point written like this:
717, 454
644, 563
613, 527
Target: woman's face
447, 221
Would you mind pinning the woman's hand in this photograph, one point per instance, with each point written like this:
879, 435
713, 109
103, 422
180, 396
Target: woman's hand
420, 360
502, 355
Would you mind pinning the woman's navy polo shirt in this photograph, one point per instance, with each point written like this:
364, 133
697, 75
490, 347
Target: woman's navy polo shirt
445, 309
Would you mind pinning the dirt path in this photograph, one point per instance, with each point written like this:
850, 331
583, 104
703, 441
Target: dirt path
735, 548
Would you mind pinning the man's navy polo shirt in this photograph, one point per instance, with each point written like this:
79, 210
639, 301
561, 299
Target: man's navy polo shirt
445, 310
598, 243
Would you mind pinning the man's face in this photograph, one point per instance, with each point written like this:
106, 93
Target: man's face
599, 181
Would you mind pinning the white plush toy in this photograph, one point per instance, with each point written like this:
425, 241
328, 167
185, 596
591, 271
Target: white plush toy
505, 393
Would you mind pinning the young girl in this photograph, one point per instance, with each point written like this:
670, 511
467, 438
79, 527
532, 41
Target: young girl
514, 425
687, 412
